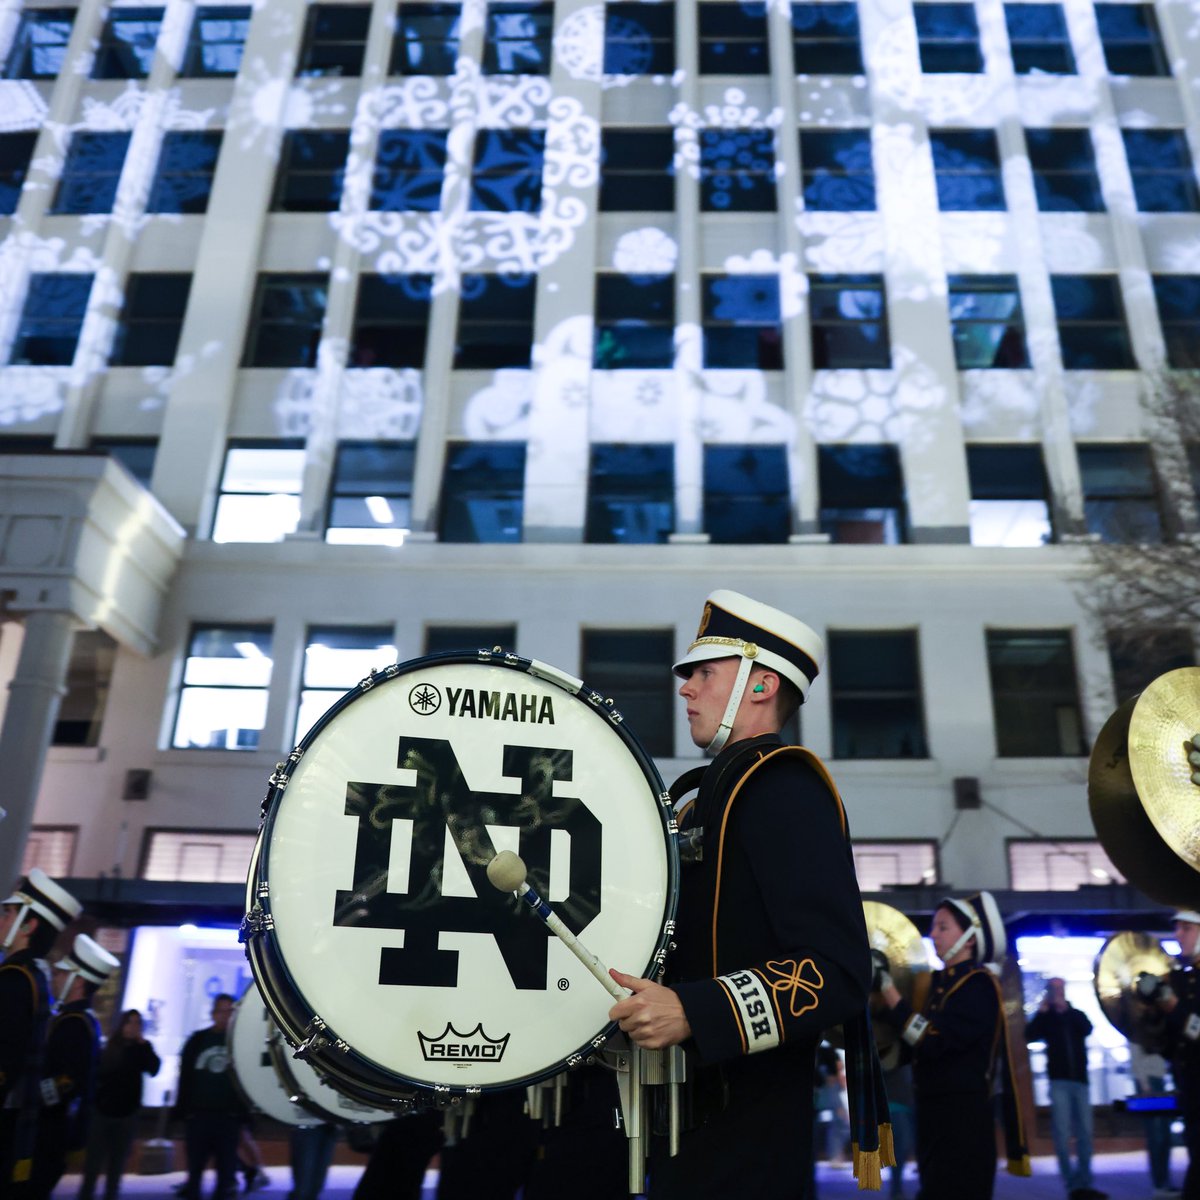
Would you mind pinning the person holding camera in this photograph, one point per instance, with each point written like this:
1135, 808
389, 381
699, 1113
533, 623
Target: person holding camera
1064, 1029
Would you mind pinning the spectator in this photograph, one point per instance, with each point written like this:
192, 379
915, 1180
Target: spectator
1149, 1071
1064, 1029
209, 1104
124, 1060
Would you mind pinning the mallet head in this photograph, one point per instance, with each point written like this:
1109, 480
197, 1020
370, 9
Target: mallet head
506, 871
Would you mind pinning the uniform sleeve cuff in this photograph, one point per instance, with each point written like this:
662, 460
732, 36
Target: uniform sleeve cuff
730, 1016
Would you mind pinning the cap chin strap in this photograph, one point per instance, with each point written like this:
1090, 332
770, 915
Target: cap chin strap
735, 700
964, 938
18, 921
67, 985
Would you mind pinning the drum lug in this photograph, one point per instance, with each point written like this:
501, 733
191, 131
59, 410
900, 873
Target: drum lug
367, 683
255, 922
314, 1039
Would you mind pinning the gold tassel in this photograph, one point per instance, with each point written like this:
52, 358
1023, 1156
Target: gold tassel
868, 1172
887, 1148
1020, 1166
855, 1155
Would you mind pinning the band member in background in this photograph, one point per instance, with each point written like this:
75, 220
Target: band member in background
772, 944
69, 1067
1179, 1000
30, 920
958, 1043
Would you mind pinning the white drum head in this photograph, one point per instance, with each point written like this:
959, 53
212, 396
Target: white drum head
249, 1032
374, 860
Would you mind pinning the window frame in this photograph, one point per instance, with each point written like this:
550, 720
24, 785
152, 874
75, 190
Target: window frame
23, 54
166, 186
132, 326
194, 65
623, 181
267, 282
333, 55
497, 45
402, 326
937, 51
912, 694
1169, 188
1025, 45
744, 173
400, 494
511, 492
60, 324
613, 495
751, 49
468, 344
1060, 185
1072, 329
1008, 701
833, 176
830, 51
85, 187
450, 44
987, 285
111, 48
754, 514
306, 157
650, 50
739, 336
821, 326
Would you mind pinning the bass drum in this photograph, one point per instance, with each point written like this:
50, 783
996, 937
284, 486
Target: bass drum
380, 947
255, 1076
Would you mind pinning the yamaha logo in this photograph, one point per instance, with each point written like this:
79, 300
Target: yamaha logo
424, 699
452, 1046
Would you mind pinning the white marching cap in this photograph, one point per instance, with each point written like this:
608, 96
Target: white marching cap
46, 899
89, 960
983, 914
1187, 914
735, 626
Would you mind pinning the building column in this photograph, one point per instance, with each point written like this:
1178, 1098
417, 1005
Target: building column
36, 690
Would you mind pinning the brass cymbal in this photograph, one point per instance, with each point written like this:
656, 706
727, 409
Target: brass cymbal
1122, 823
1165, 719
891, 931
1121, 960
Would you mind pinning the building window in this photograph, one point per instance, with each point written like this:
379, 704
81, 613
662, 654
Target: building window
626, 664
335, 659
742, 322
483, 492
1160, 162
151, 320
216, 41
51, 319
862, 494
746, 496
517, 38
370, 496
966, 164
312, 164
136, 455
409, 167
197, 856
986, 322
441, 639
1038, 36
1035, 694
91, 172
637, 170
837, 170
1139, 657
495, 322
1178, 299
875, 685
948, 38
391, 318
1091, 323
426, 39
285, 324
639, 39
1064, 170
1042, 865
126, 49
737, 170
826, 40
335, 39
733, 38
52, 848
885, 864
1120, 493
631, 494
16, 149
849, 321
507, 175
1008, 496
260, 492
185, 172
223, 700
89, 675
40, 48
1131, 39
635, 322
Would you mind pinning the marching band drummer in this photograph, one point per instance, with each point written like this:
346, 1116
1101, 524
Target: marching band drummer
1179, 1000
957, 1043
772, 944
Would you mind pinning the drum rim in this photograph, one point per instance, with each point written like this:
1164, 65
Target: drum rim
253, 932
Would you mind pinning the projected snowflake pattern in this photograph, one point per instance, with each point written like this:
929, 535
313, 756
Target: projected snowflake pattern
647, 251
21, 106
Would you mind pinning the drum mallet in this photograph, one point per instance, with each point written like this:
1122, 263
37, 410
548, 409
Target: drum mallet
507, 873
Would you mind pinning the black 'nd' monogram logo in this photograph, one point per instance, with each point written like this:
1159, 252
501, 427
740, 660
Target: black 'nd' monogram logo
441, 800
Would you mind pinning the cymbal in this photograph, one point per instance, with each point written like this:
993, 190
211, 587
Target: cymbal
891, 931
1121, 960
1124, 828
1165, 719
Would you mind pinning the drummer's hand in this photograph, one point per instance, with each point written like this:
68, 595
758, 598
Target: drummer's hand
653, 1016
890, 994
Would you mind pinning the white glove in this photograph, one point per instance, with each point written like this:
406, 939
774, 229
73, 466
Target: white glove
49, 1092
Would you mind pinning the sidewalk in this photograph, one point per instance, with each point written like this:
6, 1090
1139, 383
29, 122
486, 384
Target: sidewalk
1122, 1176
